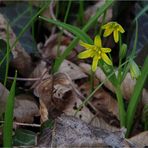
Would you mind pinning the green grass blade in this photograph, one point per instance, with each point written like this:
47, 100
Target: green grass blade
136, 96
141, 12
78, 32
7, 131
101, 10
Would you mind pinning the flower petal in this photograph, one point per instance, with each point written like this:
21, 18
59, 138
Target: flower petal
116, 36
97, 41
85, 54
107, 32
106, 26
106, 59
95, 63
121, 29
87, 46
105, 50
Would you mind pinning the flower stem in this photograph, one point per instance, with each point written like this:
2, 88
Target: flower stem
122, 113
92, 81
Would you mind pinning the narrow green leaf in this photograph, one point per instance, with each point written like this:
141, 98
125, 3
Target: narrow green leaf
75, 30
7, 131
136, 96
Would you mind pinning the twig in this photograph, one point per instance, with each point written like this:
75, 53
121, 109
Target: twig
24, 124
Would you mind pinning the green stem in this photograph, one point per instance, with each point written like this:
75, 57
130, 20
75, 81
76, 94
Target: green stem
120, 59
92, 81
122, 113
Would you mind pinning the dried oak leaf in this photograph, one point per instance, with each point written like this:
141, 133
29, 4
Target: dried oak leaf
127, 85
69, 131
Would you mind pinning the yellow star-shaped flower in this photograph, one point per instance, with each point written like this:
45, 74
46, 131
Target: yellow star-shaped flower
113, 27
96, 52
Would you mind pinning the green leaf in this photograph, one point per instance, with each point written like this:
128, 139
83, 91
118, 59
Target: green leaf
136, 96
75, 30
145, 116
8, 124
24, 137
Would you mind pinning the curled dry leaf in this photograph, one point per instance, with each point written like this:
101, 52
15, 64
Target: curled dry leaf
58, 95
69, 131
21, 60
25, 108
127, 85
140, 140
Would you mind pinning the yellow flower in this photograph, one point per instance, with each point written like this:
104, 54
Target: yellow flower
113, 27
96, 52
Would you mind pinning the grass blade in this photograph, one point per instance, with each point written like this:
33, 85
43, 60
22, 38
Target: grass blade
7, 131
75, 30
136, 96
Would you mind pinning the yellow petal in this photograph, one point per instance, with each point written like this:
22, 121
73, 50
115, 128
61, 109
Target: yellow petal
106, 59
87, 46
105, 50
121, 29
97, 41
116, 36
108, 25
85, 54
107, 32
95, 63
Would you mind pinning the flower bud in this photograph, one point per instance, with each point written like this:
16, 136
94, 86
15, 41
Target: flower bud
123, 50
134, 69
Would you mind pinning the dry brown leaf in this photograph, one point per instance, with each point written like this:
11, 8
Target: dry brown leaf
49, 49
72, 70
140, 140
69, 131
103, 102
90, 11
25, 108
21, 59
127, 85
